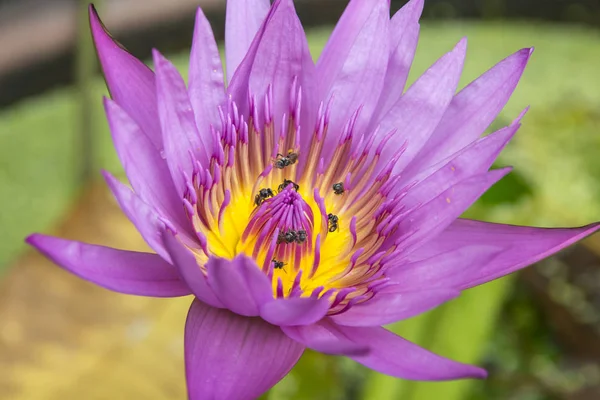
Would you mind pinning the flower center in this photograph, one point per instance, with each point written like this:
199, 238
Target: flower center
306, 223
280, 231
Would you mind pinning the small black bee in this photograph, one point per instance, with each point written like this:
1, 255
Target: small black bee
262, 195
287, 237
301, 236
333, 222
278, 264
285, 184
338, 188
283, 161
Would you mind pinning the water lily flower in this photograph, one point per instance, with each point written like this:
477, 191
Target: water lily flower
305, 205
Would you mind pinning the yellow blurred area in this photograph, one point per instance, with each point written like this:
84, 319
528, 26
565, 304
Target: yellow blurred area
64, 338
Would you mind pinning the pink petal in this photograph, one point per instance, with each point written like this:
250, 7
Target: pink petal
388, 353
130, 82
180, 136
472, 110
404, 33
428, 220
237, 87
142, 215
128, 272
189, 269
147, 172
469, 253
232, 357
206, 85
244, 18
394, 305
324, 341
416, 115
295, 311
353, 64
278, 55
239, 284
473, 160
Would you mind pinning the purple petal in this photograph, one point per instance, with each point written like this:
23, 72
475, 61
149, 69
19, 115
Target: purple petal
404, 33
388, 353
278, 55
190, 271
128, 272
130, 82
239, 284
142, 215
469, 253
445, 269
475, 159
232, 357
180, 136
295, 311
323, 340
206, 85
238, 88
244, 18
428, 220
147, 172
353, 64
419, 111
389, 307
473, 110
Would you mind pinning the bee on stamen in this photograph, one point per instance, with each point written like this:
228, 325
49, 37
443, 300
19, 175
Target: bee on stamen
285, 184
333, 222
301, 236
262, 195
338, 188
287, 237
278, 264
284, 161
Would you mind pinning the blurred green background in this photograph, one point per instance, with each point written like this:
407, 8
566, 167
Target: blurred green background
508, 325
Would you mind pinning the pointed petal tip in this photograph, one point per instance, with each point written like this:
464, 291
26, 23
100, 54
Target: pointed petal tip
415, 7
157, 57
523, 113
97, 27
108, 177
199, 14
33, 239
495, 175
523, 55
461, 46
478, 373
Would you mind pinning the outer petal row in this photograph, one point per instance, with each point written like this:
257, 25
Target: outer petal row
352, 67
129, 272
146, 170
383, 351
130, 82
240, 286
228, 356
278, 55
404, 35
469, 253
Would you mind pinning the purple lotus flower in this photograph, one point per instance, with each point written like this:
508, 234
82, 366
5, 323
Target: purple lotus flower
305, 205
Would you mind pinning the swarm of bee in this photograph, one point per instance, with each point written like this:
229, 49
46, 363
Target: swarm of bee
292, 236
